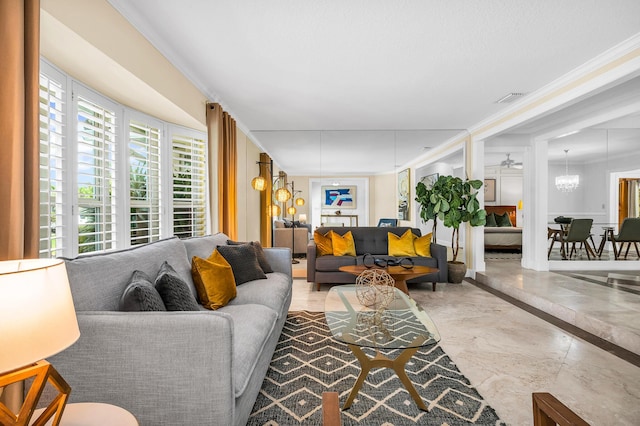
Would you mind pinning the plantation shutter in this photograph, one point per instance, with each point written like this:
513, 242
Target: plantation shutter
52, 170
188, 155
96, 177
144, 182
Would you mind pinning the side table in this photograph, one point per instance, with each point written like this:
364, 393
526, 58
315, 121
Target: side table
91, 414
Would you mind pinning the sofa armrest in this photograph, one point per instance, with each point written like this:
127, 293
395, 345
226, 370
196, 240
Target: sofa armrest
280, 259
439, 252
311, 261
166, 368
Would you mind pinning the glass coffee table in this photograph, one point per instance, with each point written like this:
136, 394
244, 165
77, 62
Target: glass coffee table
403, 325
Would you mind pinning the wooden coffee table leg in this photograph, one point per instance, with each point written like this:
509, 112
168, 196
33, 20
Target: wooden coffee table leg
381, 361
402, 286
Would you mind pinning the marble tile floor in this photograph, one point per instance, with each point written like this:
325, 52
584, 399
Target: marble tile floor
508, 353
605, 304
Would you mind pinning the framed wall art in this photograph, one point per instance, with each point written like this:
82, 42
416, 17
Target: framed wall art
429, 180
403, 194
339, 197
489, 190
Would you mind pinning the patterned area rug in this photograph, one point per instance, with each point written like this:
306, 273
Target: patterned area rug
308, 362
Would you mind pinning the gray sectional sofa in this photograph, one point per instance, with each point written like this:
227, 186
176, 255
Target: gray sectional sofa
173, 368
373, 240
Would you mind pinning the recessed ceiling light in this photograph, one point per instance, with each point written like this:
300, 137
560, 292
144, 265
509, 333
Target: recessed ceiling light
509, 97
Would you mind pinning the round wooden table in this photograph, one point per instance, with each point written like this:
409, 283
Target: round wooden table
398, 273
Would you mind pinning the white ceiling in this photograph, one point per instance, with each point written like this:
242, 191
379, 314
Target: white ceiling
368, 75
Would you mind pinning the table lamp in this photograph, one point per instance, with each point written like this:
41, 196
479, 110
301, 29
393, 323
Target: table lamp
37, 320
302, 218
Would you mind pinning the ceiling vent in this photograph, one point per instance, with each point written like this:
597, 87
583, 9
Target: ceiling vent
509, 97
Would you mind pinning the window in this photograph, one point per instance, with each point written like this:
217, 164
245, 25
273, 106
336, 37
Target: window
144, 182
52, 95
112, 177
96, 176
188, 186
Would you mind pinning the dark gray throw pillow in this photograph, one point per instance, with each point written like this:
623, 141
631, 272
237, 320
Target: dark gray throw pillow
243, 261
175, 293
262, 258
141, 295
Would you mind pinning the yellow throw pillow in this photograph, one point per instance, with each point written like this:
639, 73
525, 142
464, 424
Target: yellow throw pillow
343, 245
401, 246
323, 243
214, 280
423, 245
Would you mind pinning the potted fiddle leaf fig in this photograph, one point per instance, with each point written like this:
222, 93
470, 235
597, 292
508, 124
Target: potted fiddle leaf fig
453, 201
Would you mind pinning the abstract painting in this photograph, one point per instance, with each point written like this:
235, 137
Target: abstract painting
339, 197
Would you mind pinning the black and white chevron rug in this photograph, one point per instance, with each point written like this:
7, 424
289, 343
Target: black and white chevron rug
308, 362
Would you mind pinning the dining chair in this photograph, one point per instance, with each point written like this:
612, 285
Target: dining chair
629, 233
579, 231
555, 235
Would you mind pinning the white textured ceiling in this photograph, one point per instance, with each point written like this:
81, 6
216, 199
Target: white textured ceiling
370, 65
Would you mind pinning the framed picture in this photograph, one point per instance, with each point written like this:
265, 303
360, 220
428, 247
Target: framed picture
403, 194
489, 190
429, 180
339, 197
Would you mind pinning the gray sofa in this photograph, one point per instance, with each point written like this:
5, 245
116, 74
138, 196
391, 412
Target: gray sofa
173, 368
373, 240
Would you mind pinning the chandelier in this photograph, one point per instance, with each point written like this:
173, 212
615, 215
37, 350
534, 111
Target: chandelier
567, 182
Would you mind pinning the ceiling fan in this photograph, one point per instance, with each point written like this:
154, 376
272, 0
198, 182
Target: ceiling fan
509, 163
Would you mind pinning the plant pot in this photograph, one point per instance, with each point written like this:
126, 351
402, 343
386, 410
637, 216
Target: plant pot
457, 271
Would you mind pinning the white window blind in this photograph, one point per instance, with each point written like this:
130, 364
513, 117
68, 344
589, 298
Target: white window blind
144, 182
188, 186
52, 161
96, 177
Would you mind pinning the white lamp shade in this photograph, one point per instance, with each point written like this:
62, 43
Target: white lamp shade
37, 317
302, 218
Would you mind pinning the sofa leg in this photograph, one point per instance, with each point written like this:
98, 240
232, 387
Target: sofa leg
317, 286
433, 287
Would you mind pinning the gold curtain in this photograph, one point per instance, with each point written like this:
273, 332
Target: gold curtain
222, 141
19, 138
19, 128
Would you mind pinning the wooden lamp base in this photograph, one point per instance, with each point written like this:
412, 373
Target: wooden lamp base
42, 372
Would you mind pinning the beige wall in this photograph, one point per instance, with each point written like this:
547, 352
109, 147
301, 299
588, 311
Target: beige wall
383, 197
301, 184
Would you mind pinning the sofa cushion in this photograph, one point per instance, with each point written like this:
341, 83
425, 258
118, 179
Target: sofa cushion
140, 295
422, 245
98, 280
323, 243
401, 246
203, 246
174, 291
252, 327
332, 263
214, 280
262, 258
243, 261
343, 245
274, 294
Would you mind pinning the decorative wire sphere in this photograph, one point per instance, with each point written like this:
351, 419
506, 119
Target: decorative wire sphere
374, 288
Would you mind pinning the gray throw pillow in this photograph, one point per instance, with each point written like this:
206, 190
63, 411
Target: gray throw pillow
175, 293
262, 258
141, 295
243, 261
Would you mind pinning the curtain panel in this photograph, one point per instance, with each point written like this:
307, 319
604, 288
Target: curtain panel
19, 128
221, 129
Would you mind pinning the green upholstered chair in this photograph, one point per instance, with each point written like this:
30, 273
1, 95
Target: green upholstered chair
629, 233
579, 231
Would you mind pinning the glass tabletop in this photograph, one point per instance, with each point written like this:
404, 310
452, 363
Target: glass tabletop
403, 324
